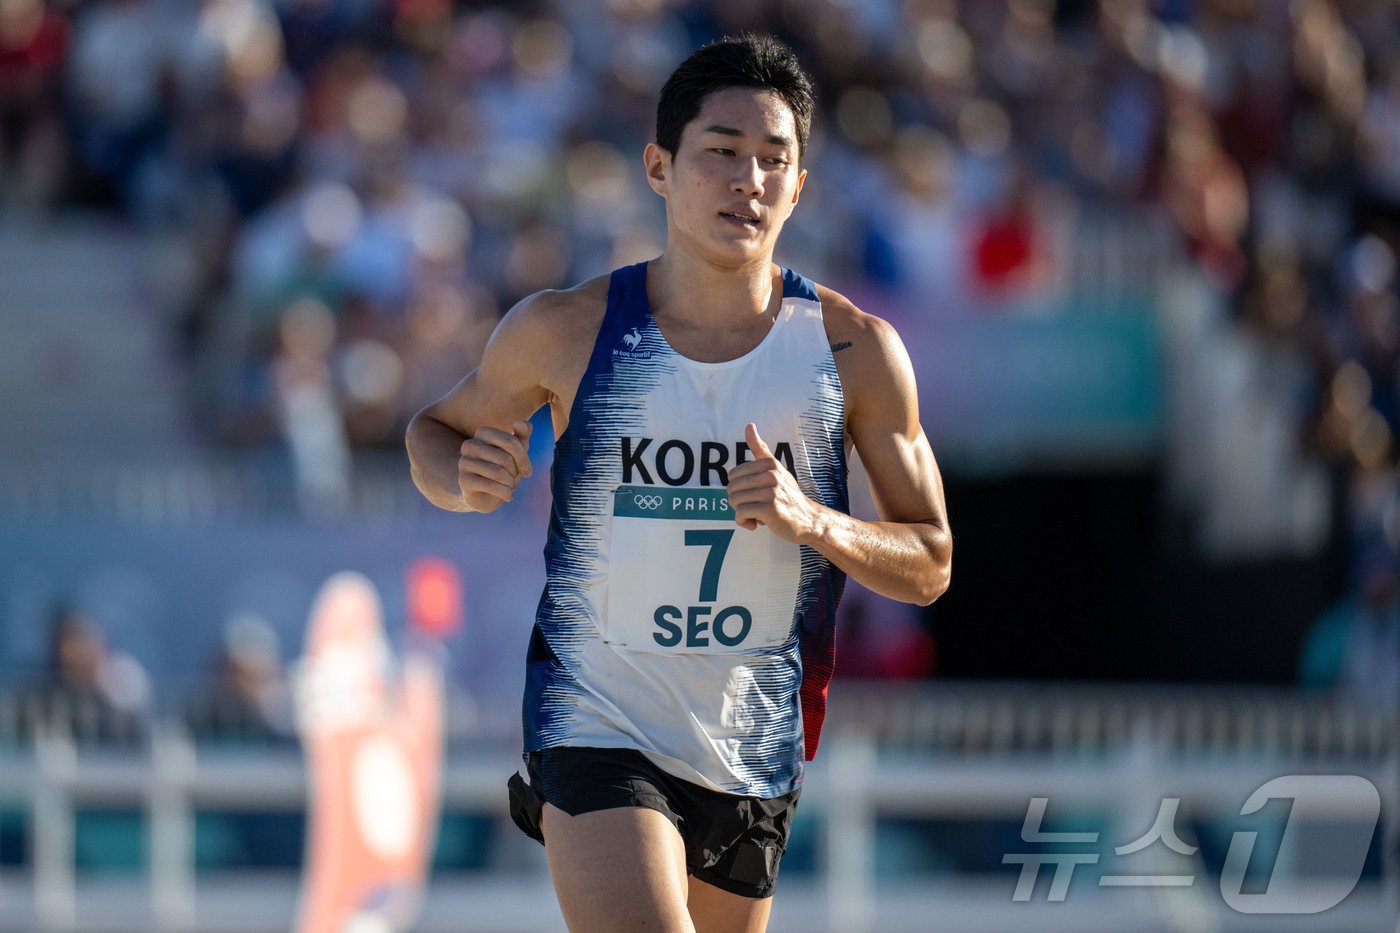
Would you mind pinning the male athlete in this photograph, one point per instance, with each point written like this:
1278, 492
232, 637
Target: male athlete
703, 406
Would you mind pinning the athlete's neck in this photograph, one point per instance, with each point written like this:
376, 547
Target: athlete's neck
694, 292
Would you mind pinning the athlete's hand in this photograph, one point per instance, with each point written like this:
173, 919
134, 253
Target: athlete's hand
762, 492
492, 464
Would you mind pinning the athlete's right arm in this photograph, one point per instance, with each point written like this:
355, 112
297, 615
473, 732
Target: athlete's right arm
468, 450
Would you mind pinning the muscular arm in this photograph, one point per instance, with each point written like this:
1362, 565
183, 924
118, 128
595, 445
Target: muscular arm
469, 450
907, 554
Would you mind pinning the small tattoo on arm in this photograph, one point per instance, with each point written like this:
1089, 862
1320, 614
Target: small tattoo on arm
838, 347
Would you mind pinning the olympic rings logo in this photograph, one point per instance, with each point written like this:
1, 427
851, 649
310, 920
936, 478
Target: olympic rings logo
647, 502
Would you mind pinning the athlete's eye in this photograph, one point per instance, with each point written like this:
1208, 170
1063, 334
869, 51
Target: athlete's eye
722, 151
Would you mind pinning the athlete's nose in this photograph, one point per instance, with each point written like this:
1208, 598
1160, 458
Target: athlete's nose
748, 178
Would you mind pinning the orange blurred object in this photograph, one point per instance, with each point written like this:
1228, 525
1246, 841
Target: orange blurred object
434, 597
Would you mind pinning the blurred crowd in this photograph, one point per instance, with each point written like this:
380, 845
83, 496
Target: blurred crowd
349, 193
96, 692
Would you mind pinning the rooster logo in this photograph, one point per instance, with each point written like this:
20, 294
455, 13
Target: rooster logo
632, 339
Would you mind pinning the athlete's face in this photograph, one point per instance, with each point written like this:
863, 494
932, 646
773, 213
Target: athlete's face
734, 179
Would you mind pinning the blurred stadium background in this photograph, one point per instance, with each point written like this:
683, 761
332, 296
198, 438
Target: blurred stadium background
1144, 256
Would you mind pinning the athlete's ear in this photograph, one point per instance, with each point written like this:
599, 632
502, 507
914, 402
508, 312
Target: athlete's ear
658, 164
801, 180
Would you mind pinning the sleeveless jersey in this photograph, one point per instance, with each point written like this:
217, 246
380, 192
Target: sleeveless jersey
665, 626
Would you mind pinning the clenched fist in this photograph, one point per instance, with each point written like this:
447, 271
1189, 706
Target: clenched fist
492, 464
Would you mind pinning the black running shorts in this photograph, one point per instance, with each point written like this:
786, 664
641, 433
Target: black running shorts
732, 842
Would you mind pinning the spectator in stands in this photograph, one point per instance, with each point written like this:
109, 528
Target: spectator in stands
1207, 195
308, 413
1379, 140
249, 699
1354, 648
33, 48
116, 83
89, 691
924, 225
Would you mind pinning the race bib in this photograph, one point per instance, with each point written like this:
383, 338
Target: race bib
683, 577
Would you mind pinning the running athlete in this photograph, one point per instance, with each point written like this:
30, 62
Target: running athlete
703, 405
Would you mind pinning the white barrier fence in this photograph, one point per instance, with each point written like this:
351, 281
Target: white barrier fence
906, 764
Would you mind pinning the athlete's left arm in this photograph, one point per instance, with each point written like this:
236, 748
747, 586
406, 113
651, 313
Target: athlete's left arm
907, 554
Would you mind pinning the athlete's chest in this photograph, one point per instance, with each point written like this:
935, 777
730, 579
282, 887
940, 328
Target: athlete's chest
693, 381
713, 345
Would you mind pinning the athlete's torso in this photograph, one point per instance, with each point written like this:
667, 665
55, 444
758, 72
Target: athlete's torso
664, 626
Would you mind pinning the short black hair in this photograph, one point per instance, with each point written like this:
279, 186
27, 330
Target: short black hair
746, 60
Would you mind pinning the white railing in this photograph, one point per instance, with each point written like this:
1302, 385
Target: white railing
890, 767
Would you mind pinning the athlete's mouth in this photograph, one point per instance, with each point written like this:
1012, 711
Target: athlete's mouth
740, 216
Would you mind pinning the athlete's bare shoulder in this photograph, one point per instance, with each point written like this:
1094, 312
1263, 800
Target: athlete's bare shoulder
870, 357
560, 318
844, 321
551, 328
546, 340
